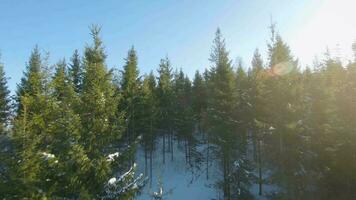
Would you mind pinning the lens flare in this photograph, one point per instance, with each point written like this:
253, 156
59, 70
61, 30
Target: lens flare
282, 68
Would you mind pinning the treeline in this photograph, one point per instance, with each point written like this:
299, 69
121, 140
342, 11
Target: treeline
71, 130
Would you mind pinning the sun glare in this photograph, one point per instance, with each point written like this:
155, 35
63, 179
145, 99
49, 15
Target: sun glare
332, 26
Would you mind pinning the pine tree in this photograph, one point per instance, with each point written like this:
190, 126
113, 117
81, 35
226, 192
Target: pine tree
183, 115
282, 106
65, 178
32, 81
4, 101
222, 105
99, 115
199, 98
165, 94
30, 131
76, 71
130, 86
149, 118
165, 97
6, 154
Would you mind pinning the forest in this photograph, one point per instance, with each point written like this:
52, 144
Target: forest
271, 130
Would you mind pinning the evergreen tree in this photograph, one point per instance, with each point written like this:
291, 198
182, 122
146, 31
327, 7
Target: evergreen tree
183, 115
149, 118
165, 97
4, 101
222, 105
66, 178
6, 154
30, 132
282, 109
99, 116
32, 81
76, 71
130, 88
165, 94
199, 98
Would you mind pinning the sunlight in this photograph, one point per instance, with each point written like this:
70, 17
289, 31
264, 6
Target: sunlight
282, 68
333, 25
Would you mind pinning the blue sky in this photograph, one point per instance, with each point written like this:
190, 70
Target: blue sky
181, 29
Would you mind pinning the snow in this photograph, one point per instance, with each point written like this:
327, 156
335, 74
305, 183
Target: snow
139, 137
159, 194
176, 180
237, 163
112, 157
48, 156
300, 122
272, 128
112, 181
124, 175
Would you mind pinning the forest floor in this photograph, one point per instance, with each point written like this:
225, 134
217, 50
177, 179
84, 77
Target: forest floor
181, 180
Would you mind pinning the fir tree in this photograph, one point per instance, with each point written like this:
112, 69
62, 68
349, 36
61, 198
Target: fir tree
76, 71
165, 94
222, 105
149, 118
199, 98
130, 86
165, 97
30, 132
32, 81
99, 116
4, 101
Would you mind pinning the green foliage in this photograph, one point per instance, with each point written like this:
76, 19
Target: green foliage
199, 98
130, 89
165, 95
32, 82
4, 101
76, 71
69, 120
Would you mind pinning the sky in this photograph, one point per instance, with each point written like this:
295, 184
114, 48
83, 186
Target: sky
180, 29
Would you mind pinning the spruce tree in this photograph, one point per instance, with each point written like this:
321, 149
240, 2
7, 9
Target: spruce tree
148, 118
65, 178
30, 129
199, 98
4, 101
165, 94
99, 115
130, 86
6, 153
222, 105
32, 81
165, 97
76, 71
282, 106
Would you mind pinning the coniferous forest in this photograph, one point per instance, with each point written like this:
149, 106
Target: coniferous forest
79, 129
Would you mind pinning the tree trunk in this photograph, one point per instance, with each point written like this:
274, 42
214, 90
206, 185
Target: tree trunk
186, 151
151, 155
164, 149
172, 146
254, 144
259, 169
207, 160
146, 171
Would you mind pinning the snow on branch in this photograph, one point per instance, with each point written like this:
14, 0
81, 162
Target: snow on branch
123, 184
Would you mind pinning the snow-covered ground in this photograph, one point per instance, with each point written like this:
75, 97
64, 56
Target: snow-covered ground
178, 180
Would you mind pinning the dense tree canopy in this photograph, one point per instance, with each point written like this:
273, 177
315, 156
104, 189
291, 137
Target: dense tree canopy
74, 130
